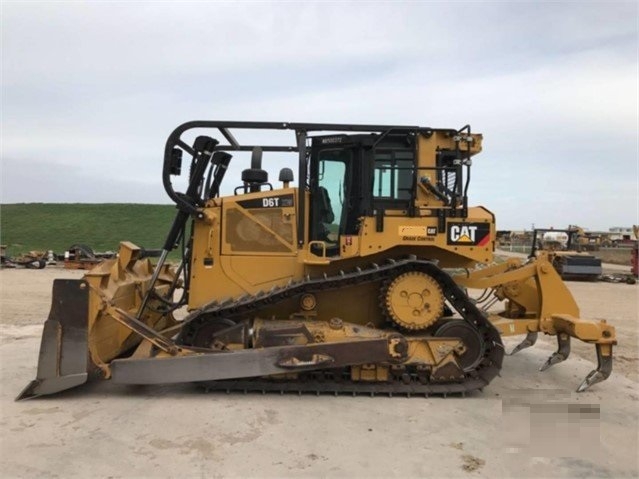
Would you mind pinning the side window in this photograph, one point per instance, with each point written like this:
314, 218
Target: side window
393, 177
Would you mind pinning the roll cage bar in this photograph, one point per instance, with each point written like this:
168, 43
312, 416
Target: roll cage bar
206, 146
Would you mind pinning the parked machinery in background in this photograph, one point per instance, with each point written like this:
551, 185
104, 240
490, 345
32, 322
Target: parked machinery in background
582, 240
81, 256
633, 275
566, 255
634, 261
31, 260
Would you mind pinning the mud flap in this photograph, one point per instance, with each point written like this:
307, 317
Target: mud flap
63, 359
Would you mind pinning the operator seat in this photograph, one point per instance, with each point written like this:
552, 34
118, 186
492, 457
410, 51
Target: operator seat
326, 210
326, 217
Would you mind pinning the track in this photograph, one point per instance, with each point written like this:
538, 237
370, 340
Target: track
326, 382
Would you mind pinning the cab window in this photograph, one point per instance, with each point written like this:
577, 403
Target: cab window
393, 174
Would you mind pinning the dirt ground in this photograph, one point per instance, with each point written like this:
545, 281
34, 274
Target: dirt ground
525, 424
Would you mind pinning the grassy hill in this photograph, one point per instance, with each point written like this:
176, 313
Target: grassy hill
51, 226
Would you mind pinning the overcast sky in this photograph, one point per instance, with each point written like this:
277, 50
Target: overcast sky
90, 91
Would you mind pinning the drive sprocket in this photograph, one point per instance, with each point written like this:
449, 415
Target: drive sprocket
414, 300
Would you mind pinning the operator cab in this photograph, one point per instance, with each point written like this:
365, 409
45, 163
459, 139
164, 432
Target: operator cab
358, 175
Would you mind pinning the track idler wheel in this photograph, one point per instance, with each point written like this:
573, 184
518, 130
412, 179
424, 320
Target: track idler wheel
475, 346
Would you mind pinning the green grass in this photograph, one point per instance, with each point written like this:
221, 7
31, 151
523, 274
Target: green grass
51, 226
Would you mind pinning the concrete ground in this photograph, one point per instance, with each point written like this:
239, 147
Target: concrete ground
525, 424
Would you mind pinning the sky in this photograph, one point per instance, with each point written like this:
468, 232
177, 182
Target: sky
91, 90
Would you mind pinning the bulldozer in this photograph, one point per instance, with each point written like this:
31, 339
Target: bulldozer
355, 281
568, 256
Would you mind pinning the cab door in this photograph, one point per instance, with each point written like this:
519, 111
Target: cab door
340, 188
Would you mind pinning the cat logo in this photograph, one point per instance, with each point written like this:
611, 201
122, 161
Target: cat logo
462, 233
468, 234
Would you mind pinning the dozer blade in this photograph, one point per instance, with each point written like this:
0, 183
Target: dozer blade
63, 359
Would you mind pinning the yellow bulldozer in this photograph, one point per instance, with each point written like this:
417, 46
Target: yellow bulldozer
354, 281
